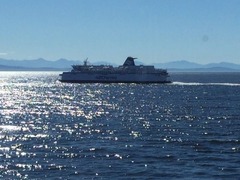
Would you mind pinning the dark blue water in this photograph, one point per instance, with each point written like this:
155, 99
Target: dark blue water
188, 129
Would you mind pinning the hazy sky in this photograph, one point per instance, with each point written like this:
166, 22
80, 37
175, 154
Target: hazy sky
200, 31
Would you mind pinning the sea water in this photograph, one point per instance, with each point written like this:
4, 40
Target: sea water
52, 130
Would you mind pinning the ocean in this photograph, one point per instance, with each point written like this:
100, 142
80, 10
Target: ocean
189, 129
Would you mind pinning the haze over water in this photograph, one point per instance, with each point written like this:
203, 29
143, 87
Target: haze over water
187, 129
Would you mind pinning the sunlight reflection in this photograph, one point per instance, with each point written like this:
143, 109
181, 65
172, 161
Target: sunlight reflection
12, 128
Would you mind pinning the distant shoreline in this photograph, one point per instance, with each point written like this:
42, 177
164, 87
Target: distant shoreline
169, 70
65, 65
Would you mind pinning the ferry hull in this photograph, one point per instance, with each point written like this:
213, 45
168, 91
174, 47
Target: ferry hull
70, 77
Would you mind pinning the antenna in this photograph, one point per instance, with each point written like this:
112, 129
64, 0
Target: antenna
86, 62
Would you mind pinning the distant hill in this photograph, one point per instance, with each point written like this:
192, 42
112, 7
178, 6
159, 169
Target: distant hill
178, 65
64, 64
184, 65
222, 65
39, 63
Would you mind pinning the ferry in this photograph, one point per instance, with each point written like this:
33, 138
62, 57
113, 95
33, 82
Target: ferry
126, 73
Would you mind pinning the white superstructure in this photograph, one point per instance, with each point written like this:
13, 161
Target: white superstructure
127, 73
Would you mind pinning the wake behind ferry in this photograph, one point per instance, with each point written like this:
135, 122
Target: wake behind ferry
126, 73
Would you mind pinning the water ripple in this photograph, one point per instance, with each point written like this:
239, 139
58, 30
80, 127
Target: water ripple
54, 130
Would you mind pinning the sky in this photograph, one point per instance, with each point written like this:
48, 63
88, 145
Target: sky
154, 31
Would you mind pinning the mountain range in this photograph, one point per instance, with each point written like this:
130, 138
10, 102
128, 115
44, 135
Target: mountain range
64, 64
184, 65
